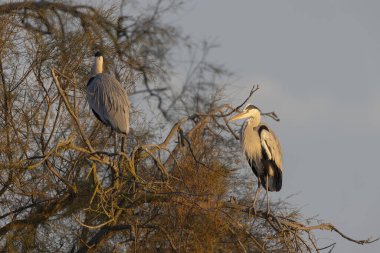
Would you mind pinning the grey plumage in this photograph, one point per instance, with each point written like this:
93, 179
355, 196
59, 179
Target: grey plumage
108, 99
261, 148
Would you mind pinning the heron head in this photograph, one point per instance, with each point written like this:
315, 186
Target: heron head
98, 54
98, 64
249, 111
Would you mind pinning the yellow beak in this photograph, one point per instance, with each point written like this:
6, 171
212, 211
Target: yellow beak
241, 115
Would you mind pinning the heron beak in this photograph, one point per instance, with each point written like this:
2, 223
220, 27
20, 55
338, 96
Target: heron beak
241, 115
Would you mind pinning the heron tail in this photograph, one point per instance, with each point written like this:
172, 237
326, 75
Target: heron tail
274, 179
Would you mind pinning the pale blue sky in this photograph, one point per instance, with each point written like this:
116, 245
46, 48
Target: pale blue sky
318, 63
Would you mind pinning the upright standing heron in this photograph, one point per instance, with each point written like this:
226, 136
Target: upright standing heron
107, 98
262, 150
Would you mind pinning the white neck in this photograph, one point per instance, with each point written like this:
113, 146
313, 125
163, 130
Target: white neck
97, 68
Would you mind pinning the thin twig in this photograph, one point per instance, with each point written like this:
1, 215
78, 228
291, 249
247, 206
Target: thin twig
93, 227
272, 115
328, 246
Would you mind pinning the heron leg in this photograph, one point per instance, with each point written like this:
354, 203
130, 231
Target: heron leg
256, 194
122, 148
115, 166
115, 142
267, 178
121, 158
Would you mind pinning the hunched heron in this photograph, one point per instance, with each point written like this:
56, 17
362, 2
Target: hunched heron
107, 98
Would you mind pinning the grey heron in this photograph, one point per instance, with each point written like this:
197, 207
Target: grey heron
262, 150
107, 98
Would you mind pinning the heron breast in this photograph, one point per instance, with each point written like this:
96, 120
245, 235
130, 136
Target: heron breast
251, 144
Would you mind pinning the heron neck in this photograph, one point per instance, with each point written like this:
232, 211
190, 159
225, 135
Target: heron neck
97, 68
254, 122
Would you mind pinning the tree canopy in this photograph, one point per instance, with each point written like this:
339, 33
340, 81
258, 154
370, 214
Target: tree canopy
175, 186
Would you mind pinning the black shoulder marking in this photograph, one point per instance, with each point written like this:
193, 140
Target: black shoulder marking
97, 54
89, 81
263, 127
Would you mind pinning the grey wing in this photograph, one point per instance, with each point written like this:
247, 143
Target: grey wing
271, 146
109, 101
